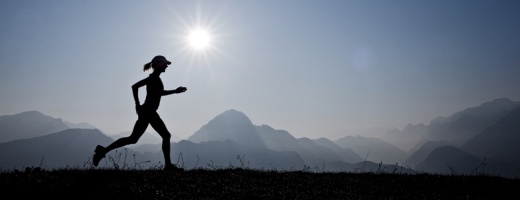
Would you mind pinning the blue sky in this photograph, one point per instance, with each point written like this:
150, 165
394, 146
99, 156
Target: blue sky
313, 68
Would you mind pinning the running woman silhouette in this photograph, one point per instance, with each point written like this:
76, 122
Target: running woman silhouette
147, 113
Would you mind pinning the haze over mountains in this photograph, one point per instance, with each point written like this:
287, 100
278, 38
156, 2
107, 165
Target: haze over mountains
481, 139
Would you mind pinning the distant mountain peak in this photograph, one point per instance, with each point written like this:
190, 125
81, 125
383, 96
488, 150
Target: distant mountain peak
493, 107
232, 112
230, 125
31, 113
28, 124
231, 115
266, 126
504, 101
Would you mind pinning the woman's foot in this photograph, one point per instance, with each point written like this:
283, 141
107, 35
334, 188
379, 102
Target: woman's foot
173, 168
99, 154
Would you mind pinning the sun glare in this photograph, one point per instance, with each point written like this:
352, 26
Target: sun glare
199, 39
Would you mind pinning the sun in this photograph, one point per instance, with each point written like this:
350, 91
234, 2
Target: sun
199, 39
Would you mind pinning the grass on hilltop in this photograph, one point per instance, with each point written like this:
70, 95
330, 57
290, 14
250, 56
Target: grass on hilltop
240, 183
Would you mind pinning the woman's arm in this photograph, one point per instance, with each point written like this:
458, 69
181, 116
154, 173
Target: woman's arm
178, 90
135, 90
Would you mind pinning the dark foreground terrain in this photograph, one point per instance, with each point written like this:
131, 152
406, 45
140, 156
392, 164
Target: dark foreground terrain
248, 184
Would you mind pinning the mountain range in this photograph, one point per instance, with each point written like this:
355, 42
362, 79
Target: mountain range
481, 139
28, 125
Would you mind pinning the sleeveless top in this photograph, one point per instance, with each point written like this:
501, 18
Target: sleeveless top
154, 91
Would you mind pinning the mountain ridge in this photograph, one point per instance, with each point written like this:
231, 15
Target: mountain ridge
28, 124
232, 138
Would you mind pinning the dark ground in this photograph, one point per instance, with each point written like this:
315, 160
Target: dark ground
249, 184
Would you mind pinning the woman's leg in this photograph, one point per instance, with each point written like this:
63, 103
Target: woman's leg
159, 126
139, 128
138, 131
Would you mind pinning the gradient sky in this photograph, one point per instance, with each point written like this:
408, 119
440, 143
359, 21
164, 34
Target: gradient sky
313, 68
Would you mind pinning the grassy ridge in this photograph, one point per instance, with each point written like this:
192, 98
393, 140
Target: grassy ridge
247, 184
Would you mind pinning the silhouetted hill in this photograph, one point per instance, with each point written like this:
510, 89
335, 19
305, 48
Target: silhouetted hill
230, 125
500, 141
455, 129
488, 131
28, 125
278, 140
314, 152
464, 125
452, 160
441, 159
422, 153
376, 149
71, 147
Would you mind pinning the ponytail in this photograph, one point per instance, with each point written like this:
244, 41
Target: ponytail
147, 66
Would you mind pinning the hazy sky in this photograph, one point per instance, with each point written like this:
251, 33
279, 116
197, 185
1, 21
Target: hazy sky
313, 68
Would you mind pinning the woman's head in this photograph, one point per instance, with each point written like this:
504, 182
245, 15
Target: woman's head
158, 62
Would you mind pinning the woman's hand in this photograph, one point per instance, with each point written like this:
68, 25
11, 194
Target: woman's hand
137, 108
181, 89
